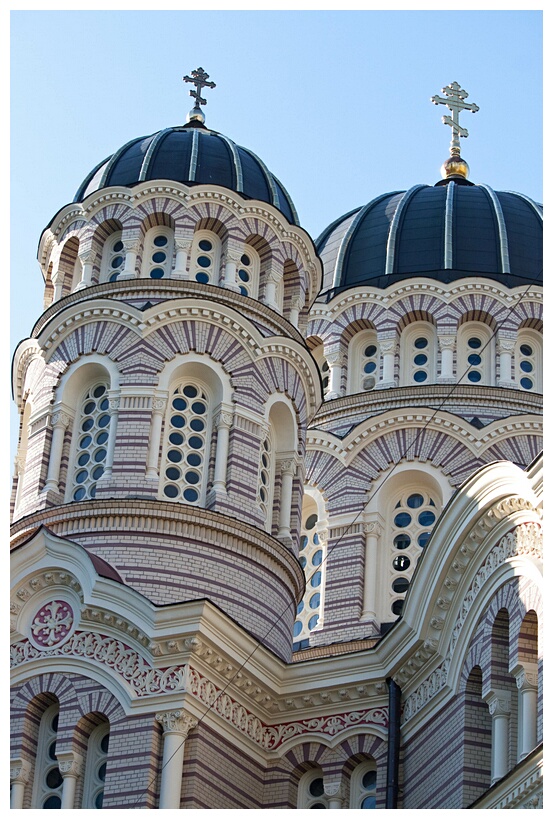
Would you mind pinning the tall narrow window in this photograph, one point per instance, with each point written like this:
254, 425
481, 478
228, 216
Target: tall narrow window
363, 359
528, 361
48, 780
187, 444
158, 253
418, 353
113, 258
92, 434
311, 792
475, 354
248, 273
205, 257
412, 519
363, 787
266, 480
96, 767
312, 560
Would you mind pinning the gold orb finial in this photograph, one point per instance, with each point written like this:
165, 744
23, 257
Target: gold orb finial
455, 166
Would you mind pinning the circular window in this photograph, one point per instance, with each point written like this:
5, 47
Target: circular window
421, 343
397, 607
176, 438
52, 802
104, 744
114, 277
369, 780
313, 621
99, 801
244, 275
427, 518
87, 424
203, 278
316, 580
118, 247
97, 474
205, 244
316, 788
414, 501
190, 391
83, 459
117, 261
420, 376
245, 259
370, 351
194, 459
315, 601
303, 542
102, 437
190, 495
85, 441
174, 456
98, 391
297, 628
474, 376
402, 520
192, 477
157, 273
526, 366
311, 521
173, 473
317, 558
474, 360
369, 367
160, 241
99, 455
526, 383
400, 585
420, 359
402, 541
81, 476
197, 425
474, 343
243, 290
198, 407
195, 442
103, 421
204, 261
423, 539
179, 404
178, 421
525, 349
171, 491
79, 494
300, 607
401, 563
159, 257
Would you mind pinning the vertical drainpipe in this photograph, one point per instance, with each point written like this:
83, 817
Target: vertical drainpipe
392, 773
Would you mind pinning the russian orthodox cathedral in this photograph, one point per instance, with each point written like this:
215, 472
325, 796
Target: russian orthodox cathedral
276, 510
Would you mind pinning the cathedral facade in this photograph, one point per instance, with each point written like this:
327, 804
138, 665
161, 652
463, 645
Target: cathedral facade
277, 502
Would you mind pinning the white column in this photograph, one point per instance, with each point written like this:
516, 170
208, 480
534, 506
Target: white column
20, 461
506, 348
232, 259
70, 765
176, 727
60, 421
388, 352
159, 406
287, 471
87, 260
114, 417
271, 281
334, 795
372, 532
19, 776
335, 361
527, 683
223, 423
131, 248
57, 281
182, 247
295, 308
499, 704
447, 346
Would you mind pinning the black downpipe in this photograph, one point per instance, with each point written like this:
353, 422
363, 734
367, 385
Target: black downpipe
394, 713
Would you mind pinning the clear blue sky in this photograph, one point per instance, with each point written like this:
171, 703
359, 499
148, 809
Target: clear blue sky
335, 103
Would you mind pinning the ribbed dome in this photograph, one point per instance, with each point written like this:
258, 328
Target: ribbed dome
194, 155
446, 232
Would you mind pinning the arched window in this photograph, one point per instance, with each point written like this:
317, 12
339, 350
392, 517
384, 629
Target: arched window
96, 767
90, 441
475, 354
187, 443
266, 480
528, 361
418, 353
363, 359
48, 780
363, 786
413, 513
248, 273
113, 258
311, 792
158, 253
205, 257
312, 559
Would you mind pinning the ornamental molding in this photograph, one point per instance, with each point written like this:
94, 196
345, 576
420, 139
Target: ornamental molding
52, 623
20, 770
70, 764
97, 617
524, 540
271, 737
127, 664
37, 584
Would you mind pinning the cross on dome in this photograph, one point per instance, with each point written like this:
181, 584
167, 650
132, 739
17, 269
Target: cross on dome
455, 101
200, 79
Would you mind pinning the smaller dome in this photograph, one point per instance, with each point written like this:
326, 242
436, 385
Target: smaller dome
449, 231
194, 155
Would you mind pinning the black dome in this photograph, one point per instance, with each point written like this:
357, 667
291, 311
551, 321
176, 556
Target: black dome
194, 155
445, 232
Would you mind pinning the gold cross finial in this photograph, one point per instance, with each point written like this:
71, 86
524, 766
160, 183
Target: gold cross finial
455, 101
199, 78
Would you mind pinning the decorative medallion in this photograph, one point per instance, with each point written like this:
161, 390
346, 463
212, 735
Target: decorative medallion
52, 623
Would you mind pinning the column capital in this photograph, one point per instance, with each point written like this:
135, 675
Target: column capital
223, 419
388, 345
333, 788
176, 722
446, 342
506, 345
88, 256
182, 244
499, 703
526, 676
372, 528
59, 418
19, 771
288, 466
70, 764
131, 245
159, 405
335, 358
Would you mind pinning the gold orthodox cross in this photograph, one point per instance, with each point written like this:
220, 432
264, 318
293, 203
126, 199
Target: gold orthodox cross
455, 101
